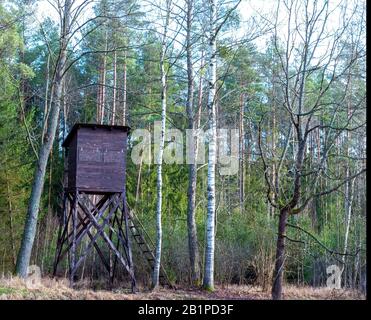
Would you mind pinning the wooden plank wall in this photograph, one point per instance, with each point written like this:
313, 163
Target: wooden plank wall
101, 160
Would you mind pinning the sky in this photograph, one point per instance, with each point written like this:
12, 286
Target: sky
247, 9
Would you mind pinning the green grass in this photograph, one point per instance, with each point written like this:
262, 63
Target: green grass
7, 290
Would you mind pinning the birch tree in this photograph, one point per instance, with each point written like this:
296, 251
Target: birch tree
163, 72
208, 281
214, 29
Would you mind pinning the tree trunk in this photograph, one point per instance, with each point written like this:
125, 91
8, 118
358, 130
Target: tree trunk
114, 88
274, 167
10, 208
208, 281
99, 93
138, 181
46, 88
28, 238
348, 200
124, 93
157, 263
103, 86
192, 176
242, 153
280, 256
65, 113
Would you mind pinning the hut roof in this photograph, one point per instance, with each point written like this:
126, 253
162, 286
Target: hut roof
93, 126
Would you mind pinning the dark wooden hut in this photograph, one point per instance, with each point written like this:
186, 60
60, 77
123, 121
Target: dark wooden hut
96, 158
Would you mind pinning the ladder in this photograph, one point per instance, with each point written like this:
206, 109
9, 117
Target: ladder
146, 246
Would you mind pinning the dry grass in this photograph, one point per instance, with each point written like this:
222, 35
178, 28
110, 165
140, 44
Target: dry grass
51, 289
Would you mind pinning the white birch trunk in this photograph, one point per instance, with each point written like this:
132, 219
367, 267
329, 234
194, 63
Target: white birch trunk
348, 194
242, 153
124, 94
348, 215
157, 264
208, 281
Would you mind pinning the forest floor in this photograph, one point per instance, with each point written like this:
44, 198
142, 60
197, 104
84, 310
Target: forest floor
51, 289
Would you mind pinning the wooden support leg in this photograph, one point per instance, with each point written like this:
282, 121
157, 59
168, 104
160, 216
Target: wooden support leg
60, 241
111, 262
121, 233
128, 244
74, 233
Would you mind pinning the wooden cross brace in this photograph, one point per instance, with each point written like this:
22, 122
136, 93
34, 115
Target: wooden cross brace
84, 216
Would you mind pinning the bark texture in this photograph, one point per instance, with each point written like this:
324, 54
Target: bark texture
208, 281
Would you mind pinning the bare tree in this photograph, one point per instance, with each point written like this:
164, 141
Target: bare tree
71, 27
301, 61
51, 121
194, 255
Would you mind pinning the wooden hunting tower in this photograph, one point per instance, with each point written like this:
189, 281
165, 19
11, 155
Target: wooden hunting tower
94, 202
96, 158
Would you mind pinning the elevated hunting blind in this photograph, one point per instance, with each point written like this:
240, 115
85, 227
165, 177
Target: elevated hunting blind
96, 158
94, 203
